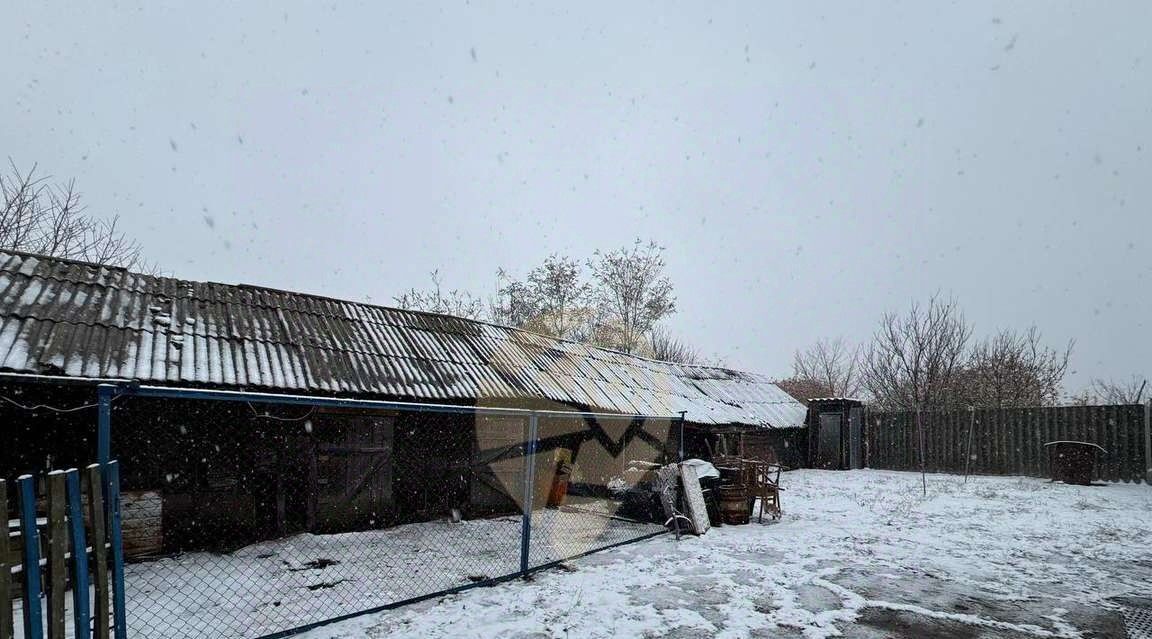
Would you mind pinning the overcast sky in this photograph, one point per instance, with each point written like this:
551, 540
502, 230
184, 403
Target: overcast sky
807, 169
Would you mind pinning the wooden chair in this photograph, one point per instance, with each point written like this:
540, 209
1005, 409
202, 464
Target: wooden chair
760, 478
771, 492
763, 481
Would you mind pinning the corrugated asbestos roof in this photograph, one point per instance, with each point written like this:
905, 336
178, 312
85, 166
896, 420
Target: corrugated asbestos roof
78, 319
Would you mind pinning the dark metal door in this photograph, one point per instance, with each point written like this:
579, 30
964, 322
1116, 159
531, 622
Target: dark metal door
828, 445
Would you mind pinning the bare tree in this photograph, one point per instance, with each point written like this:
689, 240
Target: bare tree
669, 348
1085, 397
512, 304
553, 300
1012, 369
437, 300
38, 216
1130, 391
634, 293
913, 358
832, 366
618, 308
561, 296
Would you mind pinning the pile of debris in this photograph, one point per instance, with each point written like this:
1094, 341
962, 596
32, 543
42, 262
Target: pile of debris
696, 494
689, 496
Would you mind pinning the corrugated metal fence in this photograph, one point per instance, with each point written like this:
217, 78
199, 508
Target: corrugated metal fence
1009, 441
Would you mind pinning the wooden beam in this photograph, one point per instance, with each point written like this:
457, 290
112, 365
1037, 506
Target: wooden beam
99, 551
57, 551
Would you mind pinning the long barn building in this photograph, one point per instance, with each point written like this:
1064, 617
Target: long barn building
193, 469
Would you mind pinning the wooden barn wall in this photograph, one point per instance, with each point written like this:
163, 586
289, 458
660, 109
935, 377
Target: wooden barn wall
36, 441
210, 475
231, 474
207, 463
788, 446
497, 465
348, 462
699, 443
433, 464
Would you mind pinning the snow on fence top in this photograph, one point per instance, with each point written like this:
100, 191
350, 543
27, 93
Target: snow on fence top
65, 317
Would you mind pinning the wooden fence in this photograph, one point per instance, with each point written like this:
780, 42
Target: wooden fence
59, 547
1010, 441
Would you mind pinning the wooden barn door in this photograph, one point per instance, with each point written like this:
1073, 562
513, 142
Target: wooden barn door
497, 464
353, 471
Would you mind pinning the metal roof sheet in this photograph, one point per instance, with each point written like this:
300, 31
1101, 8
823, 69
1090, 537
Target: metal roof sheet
73, 318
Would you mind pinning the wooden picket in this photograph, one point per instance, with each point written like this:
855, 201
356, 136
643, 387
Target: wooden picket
57, 548
99, 550
68, 562
1009, 440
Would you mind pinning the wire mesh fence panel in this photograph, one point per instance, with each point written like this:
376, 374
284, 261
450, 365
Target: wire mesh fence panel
261, 518
593, 484
245, 515
245, 519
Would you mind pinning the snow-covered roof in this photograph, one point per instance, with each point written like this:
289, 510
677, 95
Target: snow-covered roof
77, 319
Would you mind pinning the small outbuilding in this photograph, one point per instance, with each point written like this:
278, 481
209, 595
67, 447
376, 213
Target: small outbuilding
836, 433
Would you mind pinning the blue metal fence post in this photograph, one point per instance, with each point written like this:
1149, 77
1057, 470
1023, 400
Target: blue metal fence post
80, 606
104, 424
112, 499
33, 611
110, 474
529, 488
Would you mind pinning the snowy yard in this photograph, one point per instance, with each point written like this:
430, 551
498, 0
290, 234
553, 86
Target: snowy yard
290, 582
857, 554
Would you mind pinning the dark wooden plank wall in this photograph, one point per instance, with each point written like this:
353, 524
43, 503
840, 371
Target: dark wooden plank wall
5, 567
143, 530
788, 446
1008, 441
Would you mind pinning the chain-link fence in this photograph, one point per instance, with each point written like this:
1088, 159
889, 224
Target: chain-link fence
249, 517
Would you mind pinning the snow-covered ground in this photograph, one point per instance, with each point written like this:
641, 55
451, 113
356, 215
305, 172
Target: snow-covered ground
857, 554
282, 584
